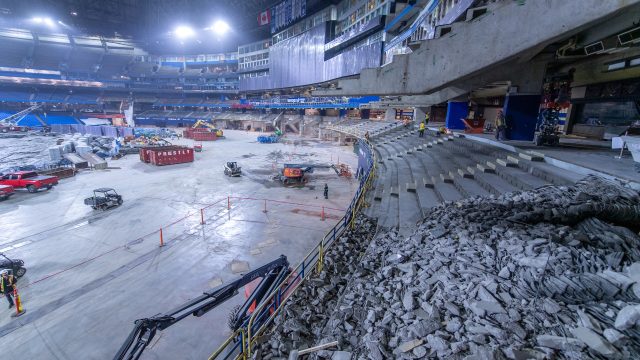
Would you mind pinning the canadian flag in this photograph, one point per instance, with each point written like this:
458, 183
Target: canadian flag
264, 18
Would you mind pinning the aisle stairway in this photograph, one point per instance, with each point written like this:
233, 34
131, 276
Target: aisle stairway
415, 174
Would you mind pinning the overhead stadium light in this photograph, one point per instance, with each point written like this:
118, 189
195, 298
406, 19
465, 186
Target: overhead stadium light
220, 27
43, 20
184, 32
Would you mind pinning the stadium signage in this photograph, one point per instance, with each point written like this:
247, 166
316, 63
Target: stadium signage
286, 13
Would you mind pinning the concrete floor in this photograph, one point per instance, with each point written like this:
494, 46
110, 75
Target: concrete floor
104, 273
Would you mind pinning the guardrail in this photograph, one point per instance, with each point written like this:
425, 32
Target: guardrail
242, 342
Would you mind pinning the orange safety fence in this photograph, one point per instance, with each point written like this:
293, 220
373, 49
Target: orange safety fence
183, 227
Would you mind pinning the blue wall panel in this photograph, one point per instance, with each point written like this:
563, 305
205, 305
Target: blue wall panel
456, 111
521, 115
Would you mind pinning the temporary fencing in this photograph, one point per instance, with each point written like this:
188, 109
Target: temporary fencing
191, 223
240, 344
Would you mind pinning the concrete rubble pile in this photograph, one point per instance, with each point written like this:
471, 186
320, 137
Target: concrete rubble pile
313, 302
529, 275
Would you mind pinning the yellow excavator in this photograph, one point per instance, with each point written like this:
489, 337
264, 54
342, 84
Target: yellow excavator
199, 123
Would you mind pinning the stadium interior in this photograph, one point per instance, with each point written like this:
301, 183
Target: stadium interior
332, 179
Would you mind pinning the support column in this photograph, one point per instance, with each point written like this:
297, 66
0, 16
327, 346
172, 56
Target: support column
390, 115
456, 111
418, 114
521, 115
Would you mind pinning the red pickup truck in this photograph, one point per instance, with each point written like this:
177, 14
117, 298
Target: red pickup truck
29, 180
6, 191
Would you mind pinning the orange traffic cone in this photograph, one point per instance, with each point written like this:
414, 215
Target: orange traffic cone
19, 309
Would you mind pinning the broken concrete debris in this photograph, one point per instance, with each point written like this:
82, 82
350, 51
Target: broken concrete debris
479, 280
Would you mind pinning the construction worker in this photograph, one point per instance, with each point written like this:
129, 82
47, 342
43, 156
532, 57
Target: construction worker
501, 126
7, 285
426, 118
421, 131
326, 191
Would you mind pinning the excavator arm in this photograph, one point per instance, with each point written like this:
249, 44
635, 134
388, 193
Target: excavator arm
145, 329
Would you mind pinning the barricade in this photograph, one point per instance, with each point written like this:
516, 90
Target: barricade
185, 226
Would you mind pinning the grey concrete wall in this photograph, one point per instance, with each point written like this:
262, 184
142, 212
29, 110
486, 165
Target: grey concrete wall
506, 33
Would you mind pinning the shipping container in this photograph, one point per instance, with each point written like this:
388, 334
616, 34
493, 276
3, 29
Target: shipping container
204, 136
200, 134
166, 155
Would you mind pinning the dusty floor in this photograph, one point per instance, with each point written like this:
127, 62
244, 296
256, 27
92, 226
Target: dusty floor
91, 274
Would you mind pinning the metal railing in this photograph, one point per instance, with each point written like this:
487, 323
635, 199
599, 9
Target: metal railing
242, 342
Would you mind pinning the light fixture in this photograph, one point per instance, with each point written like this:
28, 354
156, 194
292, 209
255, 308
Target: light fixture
220, 27
43, 20
184, 32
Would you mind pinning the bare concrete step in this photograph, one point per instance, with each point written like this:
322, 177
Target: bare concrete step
513, 159
446, 178
411, 187
494, 184
486, 169
469, 187
377, 195
531, 157
506, 163
447, 191
464, 174
428, 183
394, 191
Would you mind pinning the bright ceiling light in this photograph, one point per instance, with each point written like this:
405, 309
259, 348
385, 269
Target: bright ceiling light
43, 20
220, 27
184, 32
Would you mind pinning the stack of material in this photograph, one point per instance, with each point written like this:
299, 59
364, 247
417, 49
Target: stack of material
551, 273
55, 153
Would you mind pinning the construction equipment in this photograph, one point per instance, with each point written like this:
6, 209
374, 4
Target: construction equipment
270, 139
272, 275
232, 169
293, 174
10, 123
103, 199
547, 127
203, 123
15, 265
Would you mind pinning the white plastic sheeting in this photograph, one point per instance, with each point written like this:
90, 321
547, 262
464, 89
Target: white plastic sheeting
300, 61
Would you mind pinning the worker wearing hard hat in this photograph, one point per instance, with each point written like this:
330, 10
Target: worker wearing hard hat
7, 285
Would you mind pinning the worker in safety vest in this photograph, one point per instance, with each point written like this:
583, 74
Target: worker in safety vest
421, 129
7, 285
426, 118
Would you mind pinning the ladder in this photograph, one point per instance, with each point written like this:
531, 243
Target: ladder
12, 120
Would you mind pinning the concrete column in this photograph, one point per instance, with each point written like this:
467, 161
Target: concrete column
418, 114
456, 111
521, 115
390, 115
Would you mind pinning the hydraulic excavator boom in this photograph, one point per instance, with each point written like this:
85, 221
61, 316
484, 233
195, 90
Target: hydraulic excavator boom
272, 275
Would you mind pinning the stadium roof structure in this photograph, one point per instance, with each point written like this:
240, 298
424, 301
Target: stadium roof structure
150, 21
